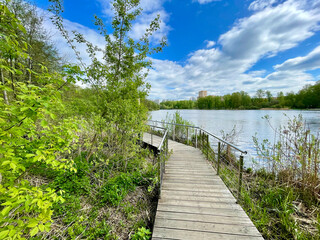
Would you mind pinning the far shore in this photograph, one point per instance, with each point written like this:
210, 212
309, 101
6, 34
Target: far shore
274, 109
277, 109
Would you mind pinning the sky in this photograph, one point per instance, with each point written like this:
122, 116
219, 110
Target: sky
219, 46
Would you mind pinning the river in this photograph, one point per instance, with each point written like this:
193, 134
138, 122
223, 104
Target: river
248, 123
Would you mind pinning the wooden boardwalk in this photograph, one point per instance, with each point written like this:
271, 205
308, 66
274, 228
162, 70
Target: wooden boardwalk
195, 204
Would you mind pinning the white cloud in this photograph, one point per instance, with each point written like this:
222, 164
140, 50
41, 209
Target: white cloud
261, 4
258, 73
269, 32
206, 1
210, 43
308, 62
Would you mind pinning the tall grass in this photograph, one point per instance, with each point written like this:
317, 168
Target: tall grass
293, 158
282, 195
180, 133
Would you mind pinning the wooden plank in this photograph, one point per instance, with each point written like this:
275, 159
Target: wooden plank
207, 227
196, 193
204, 204
185, 234
227, 199
202, 210
191, 186
200, 190
186, 172
186, 178
194, 182
230, 220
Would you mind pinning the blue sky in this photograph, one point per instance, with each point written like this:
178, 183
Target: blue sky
218, 46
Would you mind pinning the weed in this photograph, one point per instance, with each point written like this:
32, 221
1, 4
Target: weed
141, 234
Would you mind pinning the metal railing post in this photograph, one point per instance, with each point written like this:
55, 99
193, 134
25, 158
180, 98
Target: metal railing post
196, 138
240, 176
187, 134
218, 167
174, 132
160, 173
151, 136
208, 147
202, 145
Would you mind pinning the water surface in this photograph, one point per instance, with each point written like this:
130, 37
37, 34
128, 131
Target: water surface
248, 122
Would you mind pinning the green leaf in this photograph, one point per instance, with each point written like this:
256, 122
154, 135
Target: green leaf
34, 231
47, 226
6, 163
44, 123
41, 227
3, 234
24, 108
6, 210
52, 116
32, 224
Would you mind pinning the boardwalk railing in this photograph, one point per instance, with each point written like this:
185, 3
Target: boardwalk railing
162, 149
226, 157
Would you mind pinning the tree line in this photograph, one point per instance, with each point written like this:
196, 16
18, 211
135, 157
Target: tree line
307, 98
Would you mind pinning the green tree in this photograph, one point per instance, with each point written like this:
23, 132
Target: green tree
281, 99
236, 100
117, 78
269, 96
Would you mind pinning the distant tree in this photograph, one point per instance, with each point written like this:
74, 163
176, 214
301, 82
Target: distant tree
246, 99
281, 99
236, 100
151, 105
290, 100
269, 96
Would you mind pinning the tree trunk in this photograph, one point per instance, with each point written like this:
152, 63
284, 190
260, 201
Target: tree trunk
30, 66
12, 78
5, 96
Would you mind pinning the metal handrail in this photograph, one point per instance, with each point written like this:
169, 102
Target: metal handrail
163, 147
174, 124
163, 139
221, 140
204, 132
211, 134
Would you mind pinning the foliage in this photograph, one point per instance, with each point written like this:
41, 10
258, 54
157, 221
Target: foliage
117, 79
282, 196
29, 135
183, 104
175, 120
141, 234
68, 155
293, 158
151, 105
